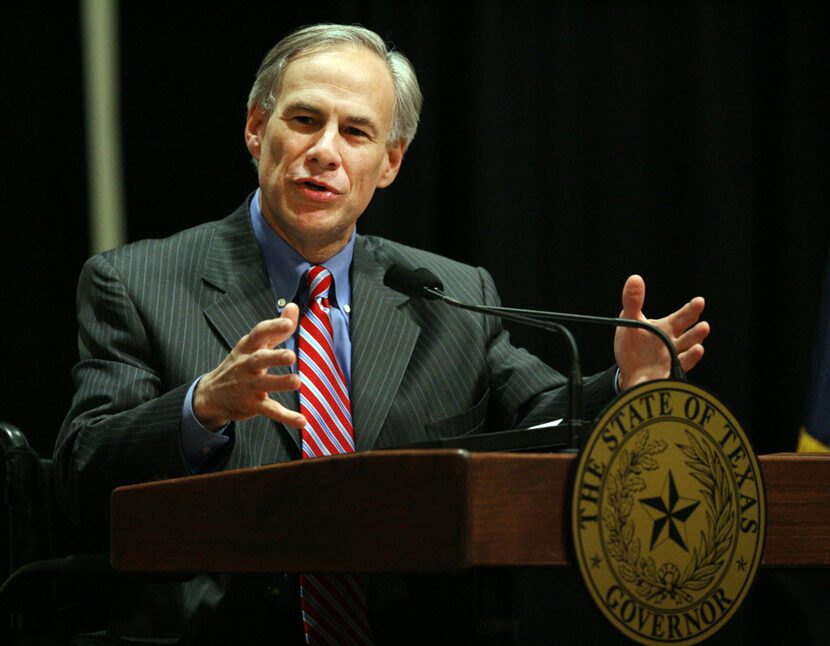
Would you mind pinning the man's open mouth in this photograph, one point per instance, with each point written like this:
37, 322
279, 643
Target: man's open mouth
317, 187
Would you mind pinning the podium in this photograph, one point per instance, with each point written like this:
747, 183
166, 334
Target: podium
409, 511
480, 540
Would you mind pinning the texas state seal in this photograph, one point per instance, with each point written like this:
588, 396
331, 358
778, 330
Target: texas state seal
668, 514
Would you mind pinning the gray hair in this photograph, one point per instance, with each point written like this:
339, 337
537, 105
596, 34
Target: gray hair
314, 38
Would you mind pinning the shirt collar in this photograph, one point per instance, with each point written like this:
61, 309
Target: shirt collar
286, 267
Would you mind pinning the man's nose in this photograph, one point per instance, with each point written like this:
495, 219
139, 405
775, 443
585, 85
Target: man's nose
324, 151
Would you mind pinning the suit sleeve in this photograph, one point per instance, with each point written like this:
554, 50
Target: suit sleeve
123, 425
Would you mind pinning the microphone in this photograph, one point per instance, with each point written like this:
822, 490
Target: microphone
422, 283
413, 282
432, 288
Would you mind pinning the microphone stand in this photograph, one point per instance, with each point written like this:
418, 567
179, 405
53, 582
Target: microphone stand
421, 283
549, 321
575, 401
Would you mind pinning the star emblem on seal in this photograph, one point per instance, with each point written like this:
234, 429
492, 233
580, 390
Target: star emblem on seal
669, 513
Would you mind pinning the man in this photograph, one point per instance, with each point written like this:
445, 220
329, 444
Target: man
189, 345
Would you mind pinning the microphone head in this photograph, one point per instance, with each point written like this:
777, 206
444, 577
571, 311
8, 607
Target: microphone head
412, 282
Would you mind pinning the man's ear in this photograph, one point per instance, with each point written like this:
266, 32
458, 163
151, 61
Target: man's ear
254, 130
392, 163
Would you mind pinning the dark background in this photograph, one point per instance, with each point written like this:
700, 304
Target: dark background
563, 145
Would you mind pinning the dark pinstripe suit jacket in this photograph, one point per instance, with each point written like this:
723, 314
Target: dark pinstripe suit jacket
156, 314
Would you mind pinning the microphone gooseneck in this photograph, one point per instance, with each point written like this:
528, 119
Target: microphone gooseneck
422, 283
677, 372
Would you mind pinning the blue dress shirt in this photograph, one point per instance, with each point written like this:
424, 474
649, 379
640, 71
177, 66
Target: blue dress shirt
286, 272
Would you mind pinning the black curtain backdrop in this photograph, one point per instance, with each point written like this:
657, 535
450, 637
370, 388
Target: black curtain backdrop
563, 145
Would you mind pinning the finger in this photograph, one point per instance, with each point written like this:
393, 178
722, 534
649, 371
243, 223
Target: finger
693, 336
268, 383
690, 358
264, 358
633, 297
280, 413
267, 334
292, 313
687, 315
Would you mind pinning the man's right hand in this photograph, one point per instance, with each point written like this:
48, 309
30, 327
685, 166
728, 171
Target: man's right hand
238, 387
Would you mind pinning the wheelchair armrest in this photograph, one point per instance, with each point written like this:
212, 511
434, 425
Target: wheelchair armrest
11, 437
87, 567
11, 440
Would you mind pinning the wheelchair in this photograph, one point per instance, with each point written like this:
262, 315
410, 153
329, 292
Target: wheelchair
51, 592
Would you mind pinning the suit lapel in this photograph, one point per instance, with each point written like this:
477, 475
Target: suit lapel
235, 266
383, 337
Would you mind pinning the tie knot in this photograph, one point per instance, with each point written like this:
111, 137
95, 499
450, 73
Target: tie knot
319, 282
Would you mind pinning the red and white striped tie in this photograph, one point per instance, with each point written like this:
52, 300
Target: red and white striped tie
333, 605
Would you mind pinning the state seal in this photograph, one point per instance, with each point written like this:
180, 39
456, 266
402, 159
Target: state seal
668, 514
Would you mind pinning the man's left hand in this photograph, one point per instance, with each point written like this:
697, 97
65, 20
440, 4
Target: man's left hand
641, 356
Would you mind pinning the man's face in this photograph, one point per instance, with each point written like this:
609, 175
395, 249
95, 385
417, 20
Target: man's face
322, 151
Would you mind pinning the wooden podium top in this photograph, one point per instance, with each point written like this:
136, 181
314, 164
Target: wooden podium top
408, 511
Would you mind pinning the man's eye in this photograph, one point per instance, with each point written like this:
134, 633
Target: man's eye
355, 132
304, 120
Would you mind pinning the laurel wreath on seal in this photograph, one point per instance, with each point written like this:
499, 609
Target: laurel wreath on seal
653, 583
